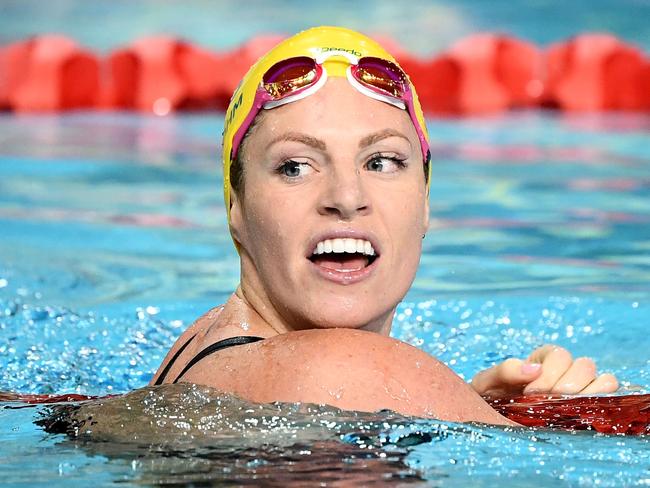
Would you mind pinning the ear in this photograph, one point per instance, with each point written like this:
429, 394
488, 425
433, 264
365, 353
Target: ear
425, 220
236, 218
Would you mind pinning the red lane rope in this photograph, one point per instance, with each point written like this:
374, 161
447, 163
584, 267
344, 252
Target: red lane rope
621, 414
481, 73
43, 399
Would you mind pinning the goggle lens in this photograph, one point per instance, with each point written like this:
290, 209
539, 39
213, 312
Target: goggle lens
289, 76
381, 75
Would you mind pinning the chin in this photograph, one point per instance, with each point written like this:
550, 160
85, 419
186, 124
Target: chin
348, 314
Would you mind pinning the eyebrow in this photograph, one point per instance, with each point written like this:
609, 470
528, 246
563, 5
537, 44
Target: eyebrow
321, 146
302, 138
378, 136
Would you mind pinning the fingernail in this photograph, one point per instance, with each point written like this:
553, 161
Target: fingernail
530, 368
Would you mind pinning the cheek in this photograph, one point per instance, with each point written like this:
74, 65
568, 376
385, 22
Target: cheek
410, 216
266, 221
259, 225
408, 230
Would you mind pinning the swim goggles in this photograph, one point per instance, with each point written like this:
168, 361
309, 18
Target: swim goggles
298, 77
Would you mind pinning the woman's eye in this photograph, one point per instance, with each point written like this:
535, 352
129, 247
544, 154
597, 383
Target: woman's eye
385, 164
293, 169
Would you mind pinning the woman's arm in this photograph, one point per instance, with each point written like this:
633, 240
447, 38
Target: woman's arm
349, 369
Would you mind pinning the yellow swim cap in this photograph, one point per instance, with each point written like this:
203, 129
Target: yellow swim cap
312, 43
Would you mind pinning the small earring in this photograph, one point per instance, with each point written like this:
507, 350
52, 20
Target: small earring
423, 236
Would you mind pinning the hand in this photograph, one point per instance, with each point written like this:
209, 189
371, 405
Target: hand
549, 369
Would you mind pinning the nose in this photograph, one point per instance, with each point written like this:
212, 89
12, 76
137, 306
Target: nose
344, 194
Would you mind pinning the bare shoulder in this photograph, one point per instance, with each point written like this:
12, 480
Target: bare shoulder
350, 369
200, 324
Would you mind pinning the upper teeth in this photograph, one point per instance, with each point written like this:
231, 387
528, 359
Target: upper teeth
345, 245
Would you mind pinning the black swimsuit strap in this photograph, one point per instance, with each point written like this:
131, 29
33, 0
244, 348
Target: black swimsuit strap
217, 346
162, 376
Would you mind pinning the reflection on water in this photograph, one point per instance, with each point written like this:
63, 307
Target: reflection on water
108, 138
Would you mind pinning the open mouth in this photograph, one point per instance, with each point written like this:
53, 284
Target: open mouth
344, 255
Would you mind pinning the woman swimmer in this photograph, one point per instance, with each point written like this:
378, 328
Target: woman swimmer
326, 171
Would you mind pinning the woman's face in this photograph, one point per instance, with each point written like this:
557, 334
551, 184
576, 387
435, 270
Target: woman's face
331, 220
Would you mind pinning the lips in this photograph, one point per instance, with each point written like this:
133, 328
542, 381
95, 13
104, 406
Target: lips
344, 260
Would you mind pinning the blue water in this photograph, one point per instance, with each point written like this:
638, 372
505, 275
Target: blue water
113, 239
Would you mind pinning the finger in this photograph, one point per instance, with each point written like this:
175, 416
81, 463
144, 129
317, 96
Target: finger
540, 354
605, 383
511, 374
581, 373
555, 362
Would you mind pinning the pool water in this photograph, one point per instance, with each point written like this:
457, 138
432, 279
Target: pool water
113, 239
